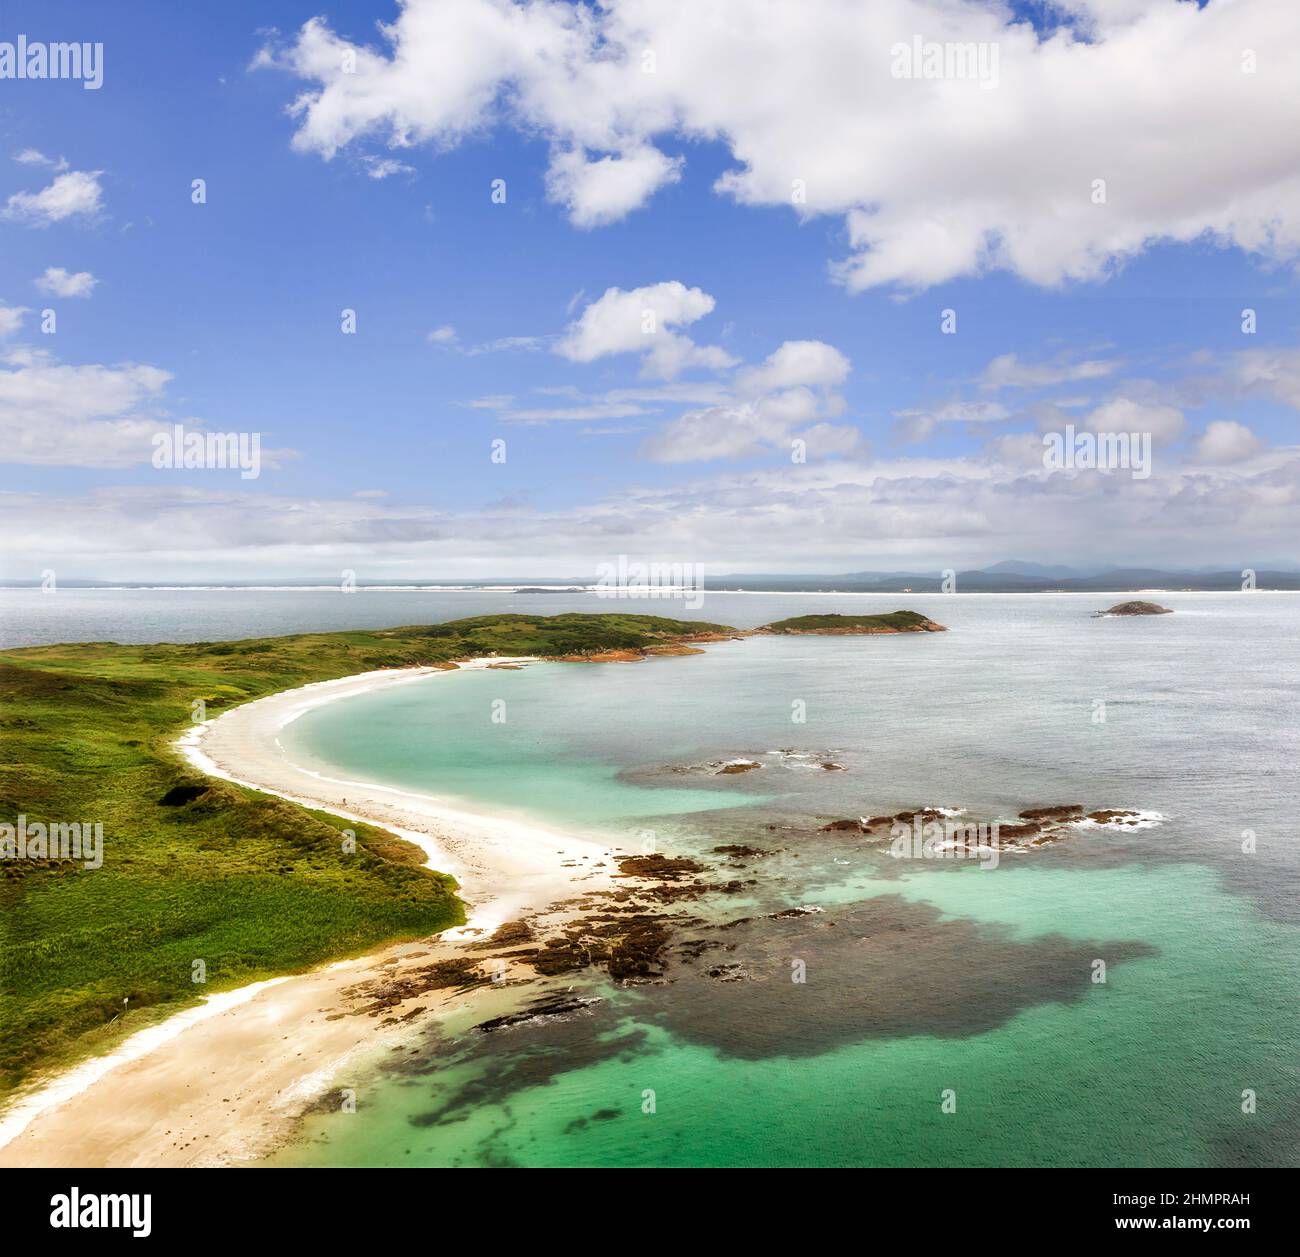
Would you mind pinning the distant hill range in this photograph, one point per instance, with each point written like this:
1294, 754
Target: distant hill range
1008, 577
1012, 577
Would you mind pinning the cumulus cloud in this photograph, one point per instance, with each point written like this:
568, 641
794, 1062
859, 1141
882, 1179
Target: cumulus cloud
797, 363
642, 320
76, 194
933, 178
1164, 423
732, 431
77, 416
1226, 441
59, 282
55, 414
605, 190
791, 395
786, 398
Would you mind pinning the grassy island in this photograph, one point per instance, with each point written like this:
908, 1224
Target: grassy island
891, 622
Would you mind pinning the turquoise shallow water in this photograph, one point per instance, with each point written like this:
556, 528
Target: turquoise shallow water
496, 739
922, 978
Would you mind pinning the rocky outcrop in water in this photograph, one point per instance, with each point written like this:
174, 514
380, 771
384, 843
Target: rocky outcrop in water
545, 1008
1135, 608
1058, 812
956, 830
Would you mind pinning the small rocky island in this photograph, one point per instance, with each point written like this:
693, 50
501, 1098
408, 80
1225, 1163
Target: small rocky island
1135, 608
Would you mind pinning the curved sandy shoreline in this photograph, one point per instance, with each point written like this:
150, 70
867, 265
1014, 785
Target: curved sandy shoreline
503, 865
222, 1082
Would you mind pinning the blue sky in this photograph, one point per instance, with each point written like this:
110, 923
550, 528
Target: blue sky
238, 301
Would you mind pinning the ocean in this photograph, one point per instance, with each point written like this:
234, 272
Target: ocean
949, 1013
1122, 997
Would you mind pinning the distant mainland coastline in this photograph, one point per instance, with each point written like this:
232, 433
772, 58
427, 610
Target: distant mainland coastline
1007, 578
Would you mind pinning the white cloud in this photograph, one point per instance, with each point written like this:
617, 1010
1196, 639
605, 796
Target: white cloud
34, 157
1226, 441
1164, 423
909, 512
787, 397
828, 440
933, 178
914, 426
1273, 373
603, 191
71, 195
383, 167
447, 337
503, 344
1022, 451
55, 414
734, 431
78, 416
506, 409
620, 322
763, 407
11, 319
617, 403
641, 320
670, 355
918, 425
760, 408
797, 363
61, 283
1007, 371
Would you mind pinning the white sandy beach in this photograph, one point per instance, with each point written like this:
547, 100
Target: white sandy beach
503, 866
221, 1082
